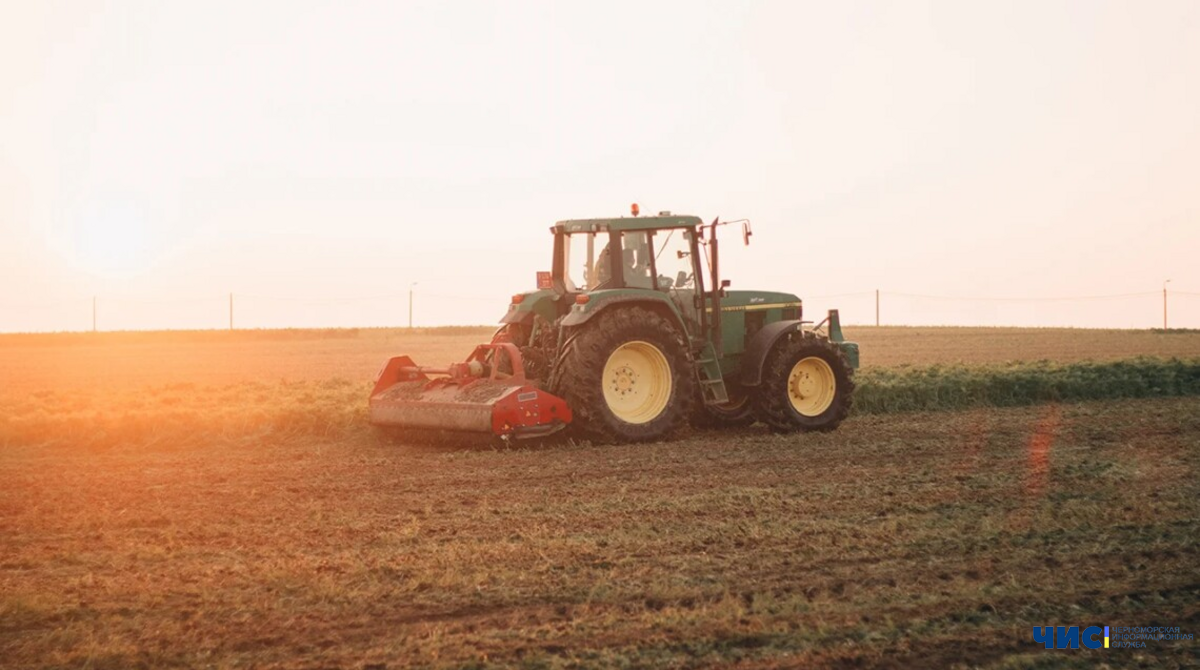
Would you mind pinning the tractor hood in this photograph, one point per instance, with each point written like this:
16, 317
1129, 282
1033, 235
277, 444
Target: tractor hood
749, 301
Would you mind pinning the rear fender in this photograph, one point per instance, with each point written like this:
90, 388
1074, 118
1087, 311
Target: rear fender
602, 300
542, 302
764, 341
759, 347
599, 302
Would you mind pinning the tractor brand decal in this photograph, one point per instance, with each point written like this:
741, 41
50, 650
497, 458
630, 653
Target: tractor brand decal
753, 308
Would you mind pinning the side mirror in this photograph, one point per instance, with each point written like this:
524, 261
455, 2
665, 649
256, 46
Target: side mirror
746, 233
724, 285
682, 254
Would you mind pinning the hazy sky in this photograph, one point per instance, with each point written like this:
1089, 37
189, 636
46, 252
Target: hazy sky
318, 158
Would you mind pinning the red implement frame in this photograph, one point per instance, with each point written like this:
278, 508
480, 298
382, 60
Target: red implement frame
462, 398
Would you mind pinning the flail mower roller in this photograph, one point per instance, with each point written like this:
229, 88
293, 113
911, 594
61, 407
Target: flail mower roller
475, 396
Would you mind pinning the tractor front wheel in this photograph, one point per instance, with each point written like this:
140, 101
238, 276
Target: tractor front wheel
807, 384
626, 376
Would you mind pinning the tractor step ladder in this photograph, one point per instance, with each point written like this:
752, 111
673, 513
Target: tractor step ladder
712, 382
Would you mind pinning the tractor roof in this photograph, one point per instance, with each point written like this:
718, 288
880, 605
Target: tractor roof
628, 223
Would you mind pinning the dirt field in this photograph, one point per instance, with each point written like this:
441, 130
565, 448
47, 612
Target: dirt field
211, 519
133, 360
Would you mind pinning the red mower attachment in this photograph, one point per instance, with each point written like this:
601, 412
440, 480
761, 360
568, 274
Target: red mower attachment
478, 395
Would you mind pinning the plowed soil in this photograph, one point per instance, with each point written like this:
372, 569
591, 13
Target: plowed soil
220, 524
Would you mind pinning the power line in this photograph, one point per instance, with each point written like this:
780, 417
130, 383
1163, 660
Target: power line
321, 301
837, 295
991, 299
444, 296
124, 306
169, 301
48, 305
478, 298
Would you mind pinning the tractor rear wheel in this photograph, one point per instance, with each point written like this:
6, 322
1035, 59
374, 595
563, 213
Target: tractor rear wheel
807, 384
626, 376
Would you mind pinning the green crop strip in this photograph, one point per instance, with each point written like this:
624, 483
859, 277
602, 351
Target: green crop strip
959, 387
183, 414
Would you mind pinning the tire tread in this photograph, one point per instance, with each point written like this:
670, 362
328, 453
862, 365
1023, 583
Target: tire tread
771, 404
580, 366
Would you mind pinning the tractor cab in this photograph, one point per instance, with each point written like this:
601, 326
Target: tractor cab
605, 254
620, 259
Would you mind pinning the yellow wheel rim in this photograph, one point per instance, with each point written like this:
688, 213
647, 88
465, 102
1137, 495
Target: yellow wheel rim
811, 386
637, 382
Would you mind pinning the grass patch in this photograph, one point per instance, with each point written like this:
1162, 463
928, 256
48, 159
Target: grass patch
960, 387
183, 414
192, 337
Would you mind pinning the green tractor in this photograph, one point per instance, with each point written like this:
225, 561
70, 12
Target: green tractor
632, 334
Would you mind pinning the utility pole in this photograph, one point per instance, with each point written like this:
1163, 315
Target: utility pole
1165, 303
876, 308
410, 303
93, 314
231, 311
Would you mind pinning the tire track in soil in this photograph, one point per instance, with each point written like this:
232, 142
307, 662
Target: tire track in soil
1037, 464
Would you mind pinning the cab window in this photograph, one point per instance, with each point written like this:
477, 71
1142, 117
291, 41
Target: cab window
673, 260
636, 261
